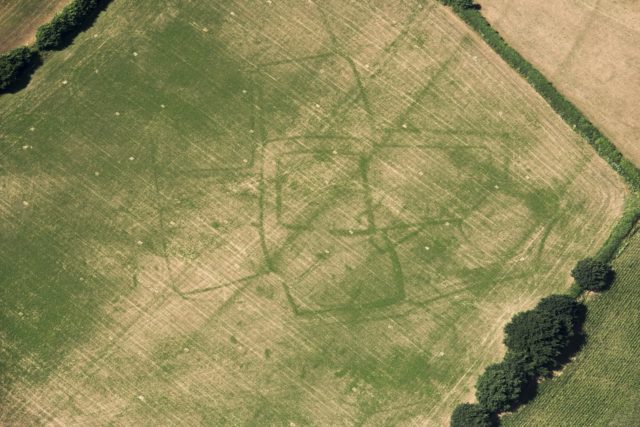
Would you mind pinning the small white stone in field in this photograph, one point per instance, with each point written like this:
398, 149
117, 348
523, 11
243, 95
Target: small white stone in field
404, 126
317, 105
326, 251
64, 82
96, 173
441, 354
389, 326
244, 91
135, 53
527, 177
161, 105
420, 173
186, 349
354, 389
522, 258
95, 36
496, 187
205, 29
366, 66
32, 128
20, 314
447, 223
232, 14
427, 248
350, 231
117, 113
139, 242
141, 397
245, 161
335, 151
96, 71
132, 158
268, 1
251, 130
25, 203
24, 147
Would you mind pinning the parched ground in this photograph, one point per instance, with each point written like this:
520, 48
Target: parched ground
19, 20
288, 213
602, 386
589, 50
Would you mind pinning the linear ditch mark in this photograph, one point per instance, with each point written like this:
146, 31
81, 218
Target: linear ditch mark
335, 114
321, 209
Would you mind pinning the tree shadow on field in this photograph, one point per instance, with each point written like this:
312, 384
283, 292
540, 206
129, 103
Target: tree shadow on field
25, 75
578, 339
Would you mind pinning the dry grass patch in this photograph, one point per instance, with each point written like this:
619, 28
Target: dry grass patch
588, 49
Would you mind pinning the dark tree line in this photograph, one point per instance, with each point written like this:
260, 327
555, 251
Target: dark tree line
538, 341
19, 63
14, 64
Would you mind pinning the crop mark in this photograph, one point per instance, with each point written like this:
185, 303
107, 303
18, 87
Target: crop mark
272, 176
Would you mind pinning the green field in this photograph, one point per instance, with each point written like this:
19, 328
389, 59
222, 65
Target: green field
601, 387
217, 213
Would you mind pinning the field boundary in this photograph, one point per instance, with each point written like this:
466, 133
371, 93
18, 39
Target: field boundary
471, 15
18, 65
565, 108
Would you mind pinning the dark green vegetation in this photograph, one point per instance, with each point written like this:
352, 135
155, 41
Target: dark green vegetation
539, 338
14, 64
500, 387
592, 275
458, 4
470, 415
622, 229
538, 341
601, 387
65, 25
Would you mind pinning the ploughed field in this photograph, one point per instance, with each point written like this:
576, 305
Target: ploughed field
226, 213
589, 50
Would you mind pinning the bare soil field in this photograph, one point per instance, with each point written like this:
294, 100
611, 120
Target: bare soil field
589, 50
280, 213
19, 20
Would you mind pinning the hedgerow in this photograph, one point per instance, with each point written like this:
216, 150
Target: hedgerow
66, 25
559, 103
539, 340
470, 415
13, 64
16, 66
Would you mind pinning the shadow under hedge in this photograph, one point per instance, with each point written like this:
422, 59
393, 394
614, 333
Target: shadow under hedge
17, 67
